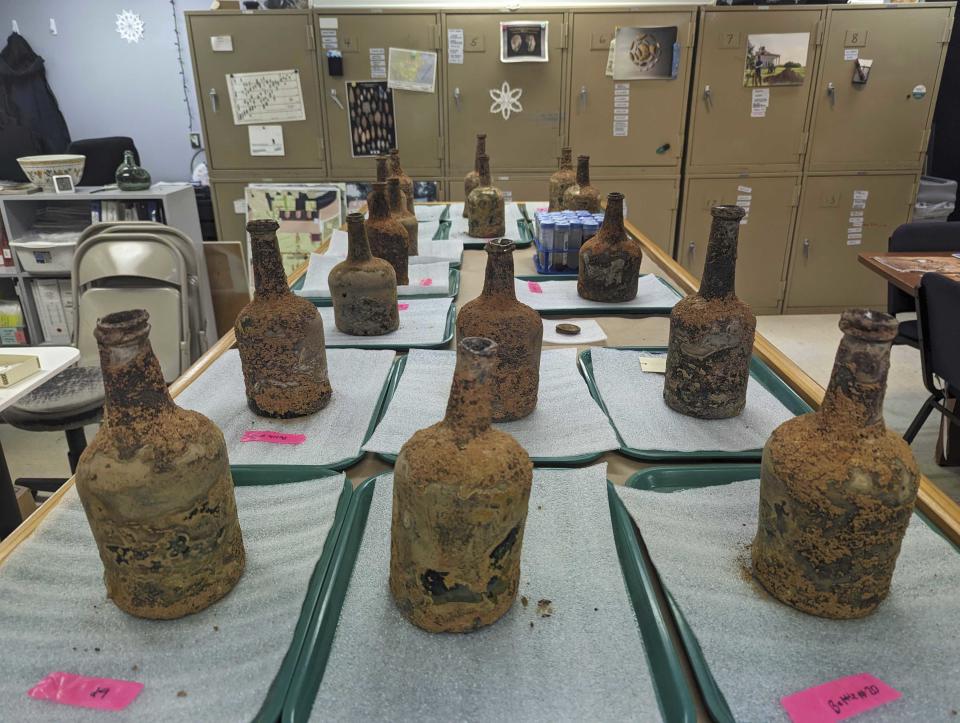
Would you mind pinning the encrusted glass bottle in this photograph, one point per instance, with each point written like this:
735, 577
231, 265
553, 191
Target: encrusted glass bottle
406, 183
280, 338
156, 487
837, 487
398, 209
711, 333
460, 494
130, 176
472, 179
363, 288
609, 265
485, 212
562, 179
581, 196
386, 235
515, 327
383, 173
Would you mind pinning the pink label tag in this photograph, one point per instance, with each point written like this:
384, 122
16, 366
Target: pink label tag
839, 699
534, 287
426, 282
403, 307
100, 693
253, 435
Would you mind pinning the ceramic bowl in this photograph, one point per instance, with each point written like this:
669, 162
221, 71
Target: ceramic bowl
41, 169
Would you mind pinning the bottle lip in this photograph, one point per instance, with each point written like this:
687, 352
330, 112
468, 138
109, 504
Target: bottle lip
262, 226
478, 346
355, 217
868, 324
500, 245
728, 212
617, 196
122, 326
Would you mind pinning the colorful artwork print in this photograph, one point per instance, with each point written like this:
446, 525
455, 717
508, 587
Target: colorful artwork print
308, 214
373, 129
776, 59
644, 53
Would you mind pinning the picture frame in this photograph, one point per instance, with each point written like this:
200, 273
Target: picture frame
62, 184
525, 41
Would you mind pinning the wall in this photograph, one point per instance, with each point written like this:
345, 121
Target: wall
107, 86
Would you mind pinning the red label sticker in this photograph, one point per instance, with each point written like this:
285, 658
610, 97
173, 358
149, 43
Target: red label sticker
426, 282
839, 699
534, 287
100, 693
403, 307
253, 435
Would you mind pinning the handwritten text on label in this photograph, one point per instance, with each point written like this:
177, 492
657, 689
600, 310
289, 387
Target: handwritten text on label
253, 435
80, 690
839, 699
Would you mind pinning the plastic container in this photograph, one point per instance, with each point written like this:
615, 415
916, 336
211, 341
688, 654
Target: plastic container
53, 257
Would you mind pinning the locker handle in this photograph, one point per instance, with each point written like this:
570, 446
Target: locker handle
831, 93
707, 94
336, 98
806, 248
583, 96
214, 100
691, 251
456, 97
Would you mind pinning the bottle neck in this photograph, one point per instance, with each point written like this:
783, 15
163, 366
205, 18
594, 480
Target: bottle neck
720, 266
481, 151
358, 247
269, 278
583, 171
468, 407
395, 169
128, 158
379, 206
566, 159
483, 169
395, 197
133, 383
383, 168
613, 217
498, 277
854, 396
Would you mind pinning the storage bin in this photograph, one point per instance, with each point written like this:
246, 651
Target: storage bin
46, 257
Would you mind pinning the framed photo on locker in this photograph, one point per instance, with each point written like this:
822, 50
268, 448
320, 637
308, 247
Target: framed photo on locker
524, 41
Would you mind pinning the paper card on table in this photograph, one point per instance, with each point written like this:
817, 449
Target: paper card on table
86, 692
654, 364
270, 97
254, 435
534, 287
266, 140
838, 699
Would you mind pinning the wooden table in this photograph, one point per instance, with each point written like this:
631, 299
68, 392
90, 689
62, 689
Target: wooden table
906, 281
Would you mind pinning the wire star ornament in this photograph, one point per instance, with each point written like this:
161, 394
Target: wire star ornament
506, 100
130, 26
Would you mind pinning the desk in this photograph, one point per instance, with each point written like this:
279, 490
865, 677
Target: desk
53, 360
907, 278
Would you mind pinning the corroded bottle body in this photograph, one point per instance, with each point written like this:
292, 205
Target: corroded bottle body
837, 487
609, 265
386, 235
562, 179
515, 327
711, 333
363, 288
156, 487
581, 196
398, 209
406, 183
485, 212
280, 338
472, 179
460, 495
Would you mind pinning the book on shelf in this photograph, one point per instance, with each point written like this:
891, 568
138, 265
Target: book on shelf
13, 324
140, 210
6, 255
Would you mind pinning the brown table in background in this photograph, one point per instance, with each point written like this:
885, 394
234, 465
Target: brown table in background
906, 281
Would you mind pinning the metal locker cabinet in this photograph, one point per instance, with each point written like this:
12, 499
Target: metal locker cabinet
657, 107
724, 136
262, 41
419, 135
525, 141
824, 274
651, 204
878, 125
764, 239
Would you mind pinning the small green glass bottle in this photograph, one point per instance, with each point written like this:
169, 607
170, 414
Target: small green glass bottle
130, 176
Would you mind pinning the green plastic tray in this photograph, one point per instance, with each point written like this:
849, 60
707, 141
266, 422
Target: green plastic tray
248, 476
673, 695
608, 309
327, 301
569, 461
674, 479
758, 370
370, 342
524, 235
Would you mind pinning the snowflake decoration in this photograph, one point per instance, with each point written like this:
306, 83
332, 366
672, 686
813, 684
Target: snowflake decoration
506, 100
130, 26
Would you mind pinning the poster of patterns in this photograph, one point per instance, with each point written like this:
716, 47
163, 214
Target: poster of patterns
373, 129
308, 214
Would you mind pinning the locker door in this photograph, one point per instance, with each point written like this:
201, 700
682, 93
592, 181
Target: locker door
764, 238
417, 114
228, 199
528, 139
880, 124
725, 133
655, 131
261, 42
824, 271
651, 205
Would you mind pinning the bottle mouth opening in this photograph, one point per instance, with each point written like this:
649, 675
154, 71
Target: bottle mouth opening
869, 324
614, 196
728, 212
355, 217
262, 226
479, 346
500, 245
122, 325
